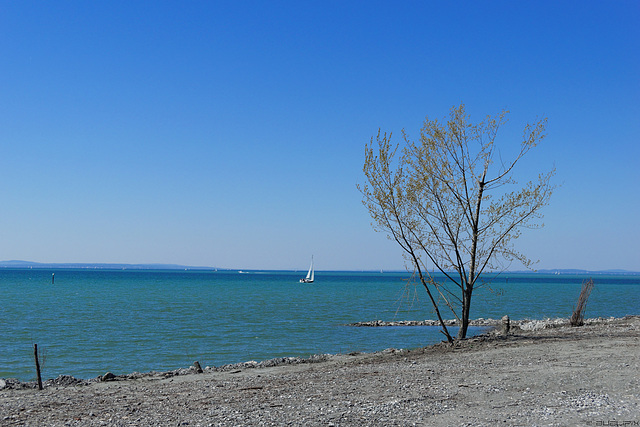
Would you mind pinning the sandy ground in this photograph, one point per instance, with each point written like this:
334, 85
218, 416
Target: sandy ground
561, 376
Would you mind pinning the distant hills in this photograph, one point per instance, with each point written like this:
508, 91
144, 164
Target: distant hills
115, 266
99, 266
575, 271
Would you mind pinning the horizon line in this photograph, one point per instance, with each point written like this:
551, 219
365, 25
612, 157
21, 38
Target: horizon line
170, 266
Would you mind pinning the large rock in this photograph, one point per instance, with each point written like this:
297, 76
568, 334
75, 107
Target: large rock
108, 377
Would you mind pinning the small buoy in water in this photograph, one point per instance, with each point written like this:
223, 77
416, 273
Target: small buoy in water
53, 277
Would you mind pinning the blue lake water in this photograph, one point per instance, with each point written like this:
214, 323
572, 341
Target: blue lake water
93, 321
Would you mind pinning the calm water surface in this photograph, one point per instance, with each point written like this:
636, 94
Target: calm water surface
92, 321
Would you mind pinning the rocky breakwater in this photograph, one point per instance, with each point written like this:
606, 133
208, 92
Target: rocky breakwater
523, 324
450, 322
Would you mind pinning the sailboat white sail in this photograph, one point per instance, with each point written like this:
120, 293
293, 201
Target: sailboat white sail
310, 274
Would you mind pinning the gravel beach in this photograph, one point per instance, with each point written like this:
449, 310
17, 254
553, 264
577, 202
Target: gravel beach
543, 373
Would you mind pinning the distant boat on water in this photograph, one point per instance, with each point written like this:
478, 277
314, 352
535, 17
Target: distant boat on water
310, 274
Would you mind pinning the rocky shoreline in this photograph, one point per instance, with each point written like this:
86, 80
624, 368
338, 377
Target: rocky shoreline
67, 380
543, 373
525, 324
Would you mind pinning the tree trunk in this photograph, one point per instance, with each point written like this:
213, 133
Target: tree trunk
464, 319
467, 289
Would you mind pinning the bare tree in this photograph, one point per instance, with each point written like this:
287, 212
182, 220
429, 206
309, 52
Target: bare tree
452, 204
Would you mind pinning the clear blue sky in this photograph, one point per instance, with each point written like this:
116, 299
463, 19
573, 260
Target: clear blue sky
231, 134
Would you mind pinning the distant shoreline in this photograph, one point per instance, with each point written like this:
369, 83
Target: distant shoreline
17, 264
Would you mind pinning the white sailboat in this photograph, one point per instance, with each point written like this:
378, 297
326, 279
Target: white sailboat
310, 274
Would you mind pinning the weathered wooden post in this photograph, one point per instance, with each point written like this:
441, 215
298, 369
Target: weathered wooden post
506, 325
35, 354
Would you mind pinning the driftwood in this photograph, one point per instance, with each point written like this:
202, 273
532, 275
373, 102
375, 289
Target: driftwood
577, 318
